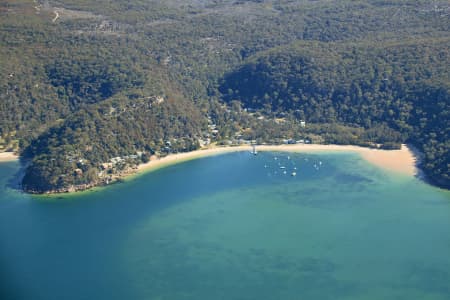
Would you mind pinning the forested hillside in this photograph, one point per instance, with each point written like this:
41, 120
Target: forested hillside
401, 87
85, 82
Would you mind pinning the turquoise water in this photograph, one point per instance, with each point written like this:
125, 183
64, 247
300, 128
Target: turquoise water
231, 227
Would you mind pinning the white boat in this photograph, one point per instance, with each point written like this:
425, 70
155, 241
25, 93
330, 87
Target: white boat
293, 174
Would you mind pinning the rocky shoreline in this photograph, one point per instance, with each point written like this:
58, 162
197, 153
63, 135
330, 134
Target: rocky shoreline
112, 179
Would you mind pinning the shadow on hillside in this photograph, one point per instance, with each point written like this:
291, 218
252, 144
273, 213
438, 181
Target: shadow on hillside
15, 181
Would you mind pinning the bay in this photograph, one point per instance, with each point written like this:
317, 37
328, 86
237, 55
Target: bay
231, 227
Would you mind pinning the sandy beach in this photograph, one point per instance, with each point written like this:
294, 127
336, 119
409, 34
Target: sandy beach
8, 156
181, 157
400, 161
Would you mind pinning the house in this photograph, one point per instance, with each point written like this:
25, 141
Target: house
289, 141
116, 160
204, 142
106, 166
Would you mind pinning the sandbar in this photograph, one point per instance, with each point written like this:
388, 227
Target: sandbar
400, 161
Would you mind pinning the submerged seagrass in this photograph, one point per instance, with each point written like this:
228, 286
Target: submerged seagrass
233, 226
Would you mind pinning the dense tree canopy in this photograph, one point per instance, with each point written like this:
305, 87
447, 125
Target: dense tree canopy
397, 91
83, 82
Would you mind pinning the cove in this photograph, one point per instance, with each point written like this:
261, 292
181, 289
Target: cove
233, 226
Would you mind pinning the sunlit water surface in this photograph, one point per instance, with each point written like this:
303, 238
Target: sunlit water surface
231, 227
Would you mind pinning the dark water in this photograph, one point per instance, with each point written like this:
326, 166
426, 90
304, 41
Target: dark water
232, 227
